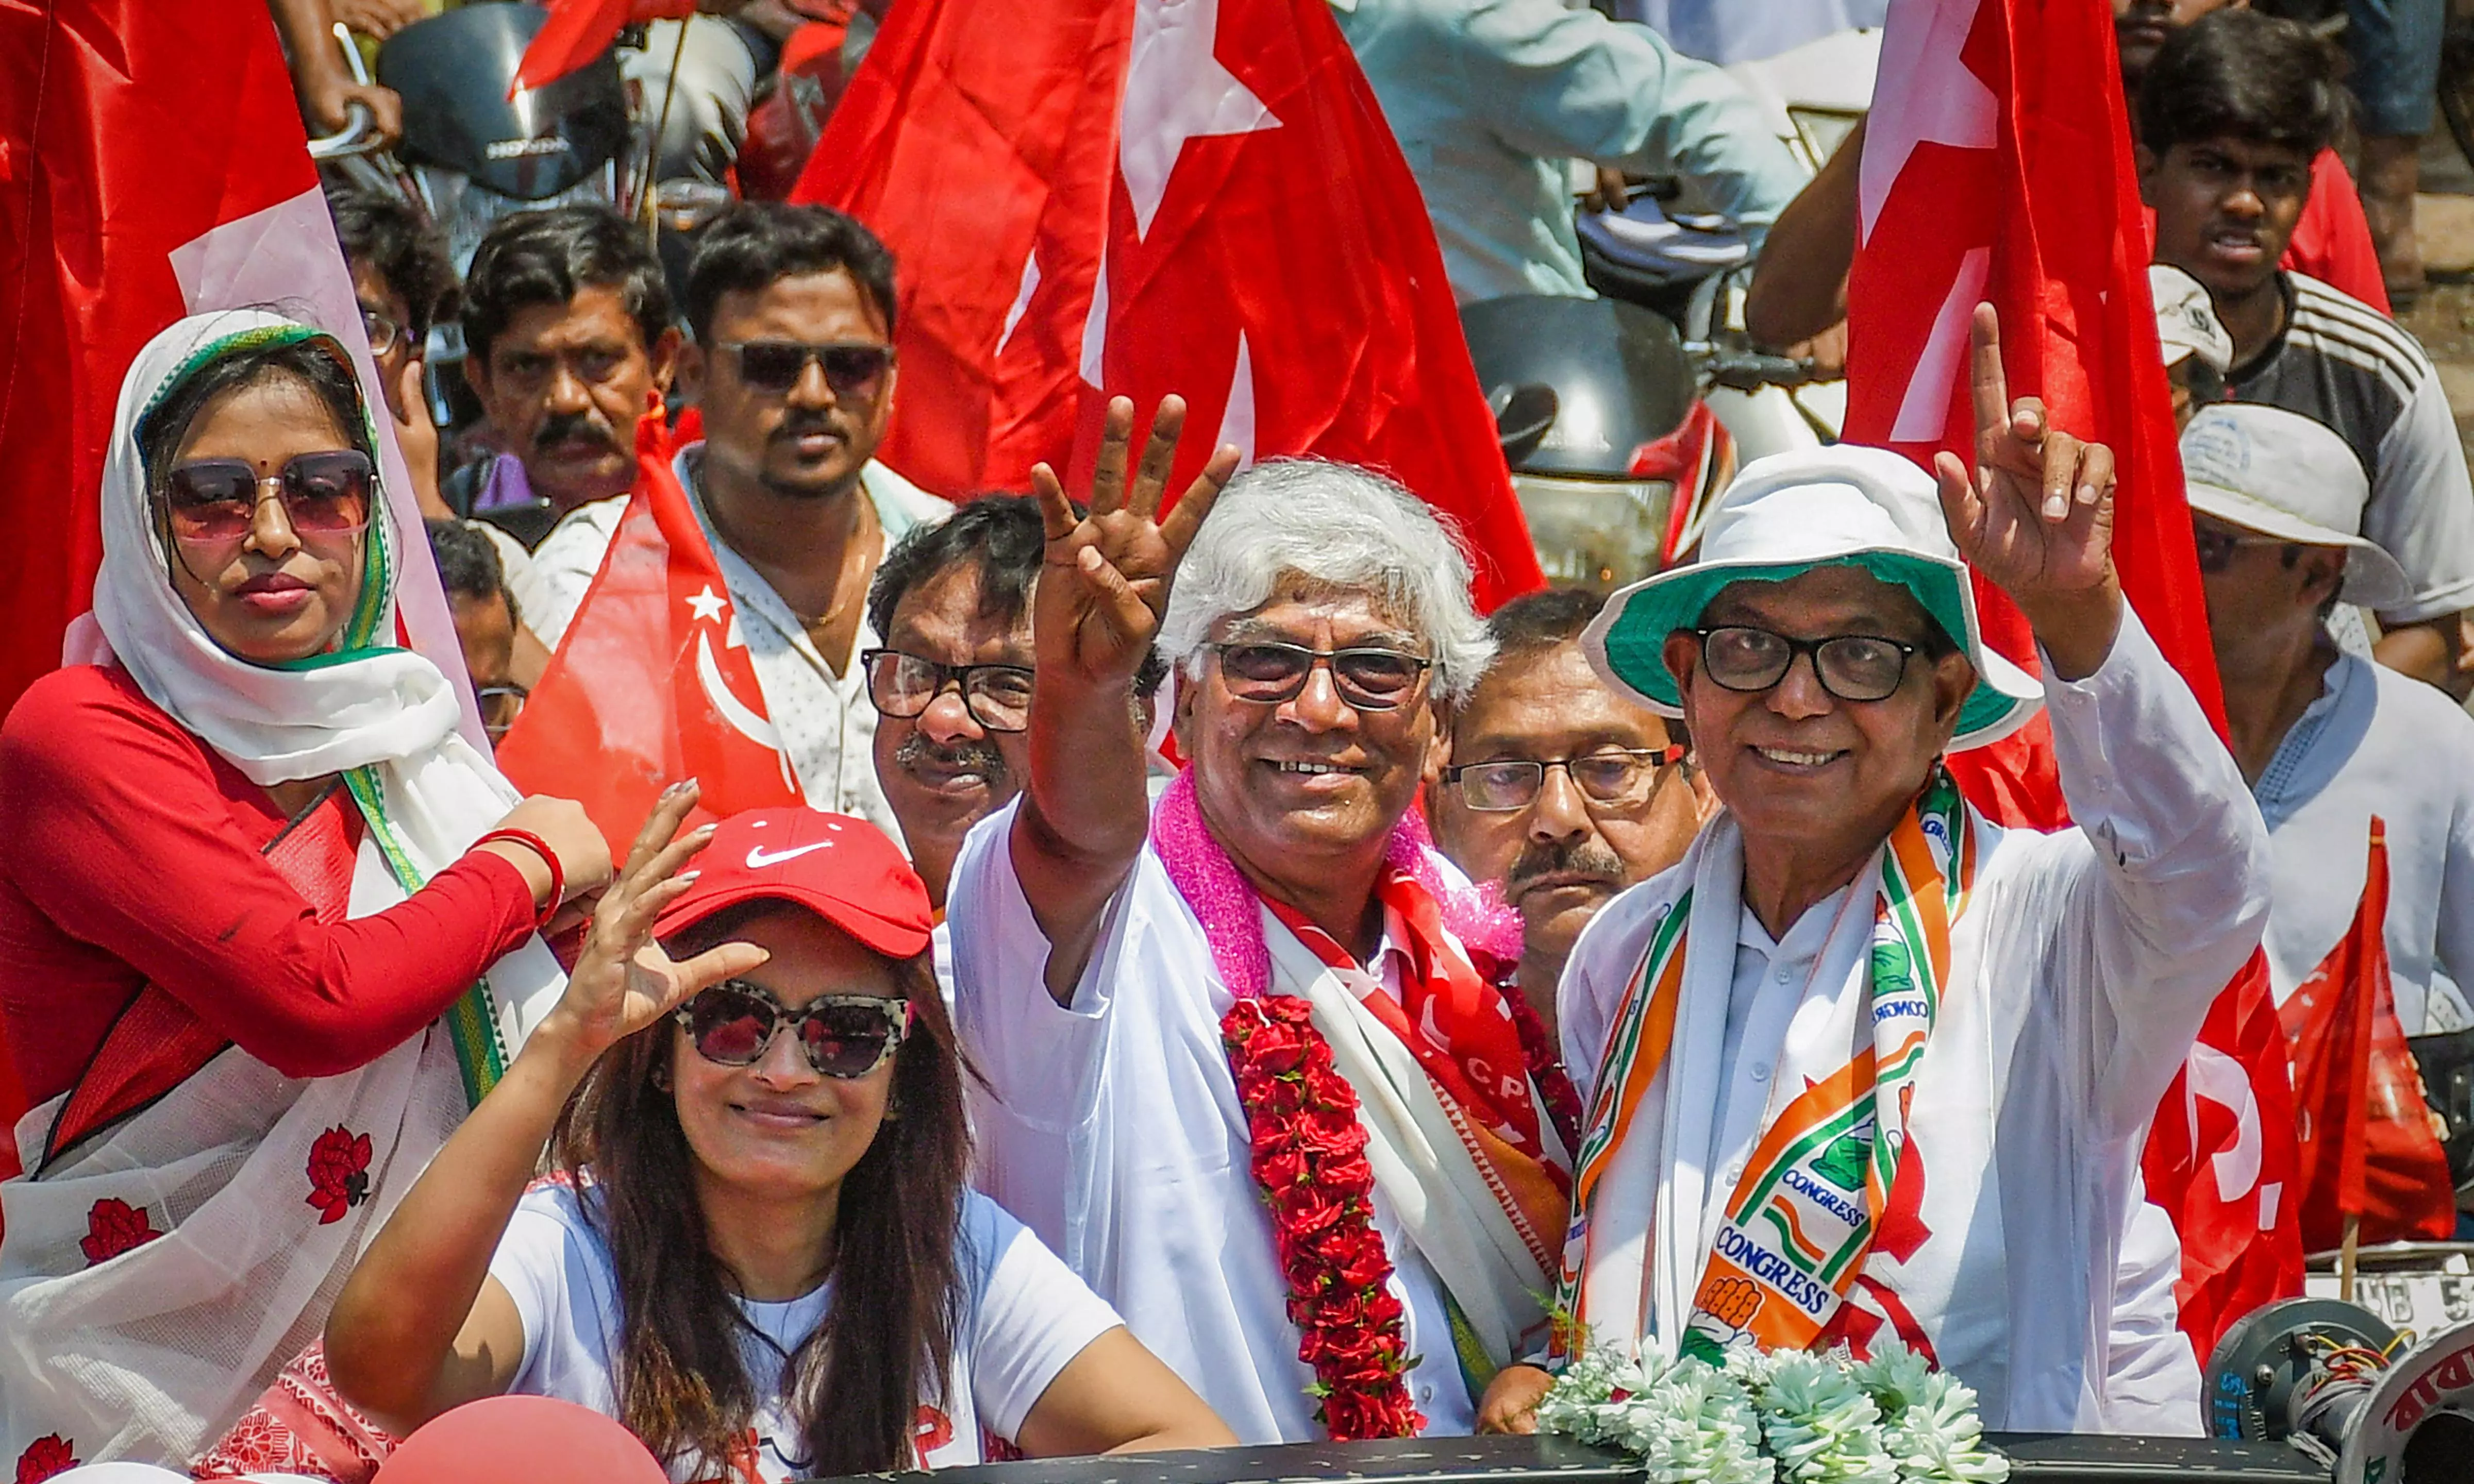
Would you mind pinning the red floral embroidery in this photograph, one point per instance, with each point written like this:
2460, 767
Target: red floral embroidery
339, 1172
113, 1226
1309, 1158
46, 1456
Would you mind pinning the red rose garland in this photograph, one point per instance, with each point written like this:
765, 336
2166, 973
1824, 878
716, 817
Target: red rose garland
1309, 1158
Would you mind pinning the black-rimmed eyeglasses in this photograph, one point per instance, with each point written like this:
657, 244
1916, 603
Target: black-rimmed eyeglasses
1851, 666
1370, 679
998, 695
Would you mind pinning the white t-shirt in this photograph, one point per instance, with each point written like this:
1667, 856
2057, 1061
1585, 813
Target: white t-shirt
2375, 742
1024, 1317
1113, 1129
827, 725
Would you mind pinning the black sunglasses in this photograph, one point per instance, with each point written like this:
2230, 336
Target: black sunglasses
855, 369
1851, 666
1369, 679
845, 1036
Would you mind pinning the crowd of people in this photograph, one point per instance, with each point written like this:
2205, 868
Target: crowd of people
1219, 987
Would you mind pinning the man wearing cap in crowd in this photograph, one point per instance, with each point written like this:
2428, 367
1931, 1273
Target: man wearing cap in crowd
2196, 349
2327, 740
1868, 1067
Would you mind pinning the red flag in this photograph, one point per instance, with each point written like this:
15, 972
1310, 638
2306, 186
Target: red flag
1997, 167
2368, 1148
579, 31
1131, 197
152, 165
652, 683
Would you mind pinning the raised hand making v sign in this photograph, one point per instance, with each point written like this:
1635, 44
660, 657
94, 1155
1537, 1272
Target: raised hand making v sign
2036, 517
1102, 590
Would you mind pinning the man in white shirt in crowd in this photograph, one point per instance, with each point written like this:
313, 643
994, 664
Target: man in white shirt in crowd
1874, 1067
1561, 793
952, 681
2326, 740
794, 368
1241, 1071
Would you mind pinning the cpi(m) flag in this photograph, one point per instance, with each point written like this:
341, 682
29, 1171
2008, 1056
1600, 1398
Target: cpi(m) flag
1997, 167
652, 683
1141, 196
2368, 1150
152, 165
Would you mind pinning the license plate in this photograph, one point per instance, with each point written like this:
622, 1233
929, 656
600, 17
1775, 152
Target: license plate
2422, 1302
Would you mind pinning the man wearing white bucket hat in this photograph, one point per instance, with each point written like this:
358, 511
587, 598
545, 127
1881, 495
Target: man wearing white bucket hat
1867, 1067
2327, 740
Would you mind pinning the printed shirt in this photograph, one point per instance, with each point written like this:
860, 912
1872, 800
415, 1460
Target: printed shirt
1490, 101
1112, 1128
827, 725
2341, 362
1023, 1318
2375, 742
2079, 975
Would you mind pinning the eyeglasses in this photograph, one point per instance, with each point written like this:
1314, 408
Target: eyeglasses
501, 705
998, 695
382, 332
845, 1036
1621, 779
211, 504
1370, 679
1851, 666
2216, 548
855, 369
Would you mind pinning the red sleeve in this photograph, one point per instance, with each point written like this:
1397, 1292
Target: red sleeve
2332, 242
121, 836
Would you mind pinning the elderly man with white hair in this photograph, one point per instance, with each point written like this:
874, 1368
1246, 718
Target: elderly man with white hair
1868, 1067
1244, 1071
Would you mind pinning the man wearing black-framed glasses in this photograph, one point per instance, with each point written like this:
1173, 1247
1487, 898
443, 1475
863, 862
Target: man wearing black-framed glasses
1560, 792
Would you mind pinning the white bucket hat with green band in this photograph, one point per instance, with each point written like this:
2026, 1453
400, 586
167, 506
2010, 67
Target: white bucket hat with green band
1785, 515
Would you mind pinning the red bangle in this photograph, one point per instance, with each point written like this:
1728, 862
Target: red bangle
549, 858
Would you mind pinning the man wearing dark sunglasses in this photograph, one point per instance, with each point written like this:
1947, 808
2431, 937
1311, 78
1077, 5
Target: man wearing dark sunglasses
1560, 792
792, 369
2331, 744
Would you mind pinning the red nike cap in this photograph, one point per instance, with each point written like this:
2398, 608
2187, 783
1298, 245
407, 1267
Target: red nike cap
842, 869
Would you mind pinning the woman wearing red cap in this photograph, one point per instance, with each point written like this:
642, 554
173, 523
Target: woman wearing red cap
832, 1300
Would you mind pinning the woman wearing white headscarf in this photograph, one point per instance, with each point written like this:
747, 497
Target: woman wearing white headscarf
267, 922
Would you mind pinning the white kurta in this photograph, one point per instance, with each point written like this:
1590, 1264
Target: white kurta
827, 725
1112, 1129
2375, 742
2079, 975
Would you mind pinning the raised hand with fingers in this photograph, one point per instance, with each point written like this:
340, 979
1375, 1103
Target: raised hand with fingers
2034, 516
1105, 584
623, 980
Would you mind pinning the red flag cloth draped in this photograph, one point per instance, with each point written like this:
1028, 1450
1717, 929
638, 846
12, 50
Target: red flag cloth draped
1997, 167
2368, 1147
152, 165
578, 31
1105, 197
652, 683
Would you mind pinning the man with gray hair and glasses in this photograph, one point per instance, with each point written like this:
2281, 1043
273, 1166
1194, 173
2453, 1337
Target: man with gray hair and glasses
1243, 1070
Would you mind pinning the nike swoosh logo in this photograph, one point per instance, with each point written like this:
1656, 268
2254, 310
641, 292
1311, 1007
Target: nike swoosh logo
757, 858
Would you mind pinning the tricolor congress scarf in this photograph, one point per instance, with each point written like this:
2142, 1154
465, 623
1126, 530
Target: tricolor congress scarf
1822, 1187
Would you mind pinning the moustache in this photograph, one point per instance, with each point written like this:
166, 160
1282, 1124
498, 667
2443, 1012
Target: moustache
1587, 857
574, 428
798, 425
962, 756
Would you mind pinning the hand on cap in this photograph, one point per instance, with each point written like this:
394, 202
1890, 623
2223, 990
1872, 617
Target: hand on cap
2035, 519
623, 980
1104, 581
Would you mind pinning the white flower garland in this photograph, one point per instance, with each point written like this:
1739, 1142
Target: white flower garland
1782, 1419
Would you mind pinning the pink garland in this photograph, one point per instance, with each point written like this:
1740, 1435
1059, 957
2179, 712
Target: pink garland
1231, 912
